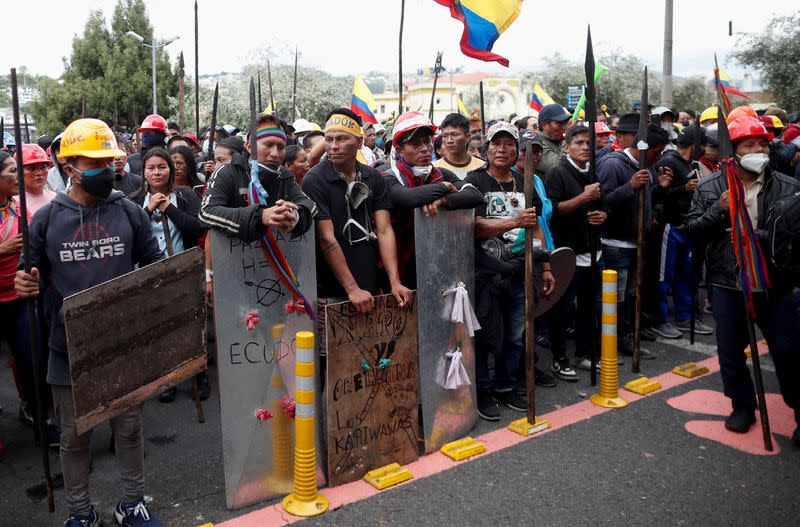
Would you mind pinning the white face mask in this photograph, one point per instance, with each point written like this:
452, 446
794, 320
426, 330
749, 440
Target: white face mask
755, 163
422, 172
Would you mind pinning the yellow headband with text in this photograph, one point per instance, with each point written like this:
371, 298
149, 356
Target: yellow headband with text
343, 123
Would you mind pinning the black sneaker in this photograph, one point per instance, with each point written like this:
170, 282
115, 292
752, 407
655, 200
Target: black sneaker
487, 407
564, 371
168, 395
648, 334
626, 349
512, 400
544, 379
25, 415
740, 420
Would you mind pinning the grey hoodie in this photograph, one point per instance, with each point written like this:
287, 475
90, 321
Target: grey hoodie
56, 180
76, 248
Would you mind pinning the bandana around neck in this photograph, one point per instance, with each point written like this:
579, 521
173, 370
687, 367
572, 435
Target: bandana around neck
342, 123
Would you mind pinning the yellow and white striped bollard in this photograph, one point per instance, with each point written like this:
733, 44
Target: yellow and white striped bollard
608, 396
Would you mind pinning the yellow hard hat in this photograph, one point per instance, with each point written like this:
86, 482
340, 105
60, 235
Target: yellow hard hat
89, 138
712, 112
776, 122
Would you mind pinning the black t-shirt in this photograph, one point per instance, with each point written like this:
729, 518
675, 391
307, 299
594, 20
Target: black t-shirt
327, 188
502, 200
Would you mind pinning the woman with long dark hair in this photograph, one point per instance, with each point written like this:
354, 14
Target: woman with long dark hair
296, 161
173, 215
185, 168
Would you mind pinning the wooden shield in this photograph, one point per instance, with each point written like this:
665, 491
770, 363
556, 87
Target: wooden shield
371, 386
136, 335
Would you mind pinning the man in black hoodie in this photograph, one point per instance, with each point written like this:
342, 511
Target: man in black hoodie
154, 135
579, 205
226, 206
620, 180
81, 239
675, 273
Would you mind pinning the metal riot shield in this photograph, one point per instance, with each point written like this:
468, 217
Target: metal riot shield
256, 357
166, 347
445, 253
371, 384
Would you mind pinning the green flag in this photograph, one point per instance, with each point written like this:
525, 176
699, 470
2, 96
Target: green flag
599, 69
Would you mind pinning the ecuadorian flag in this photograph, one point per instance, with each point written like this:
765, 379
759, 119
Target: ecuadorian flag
363, 102
728, 86
540, 98
484, 21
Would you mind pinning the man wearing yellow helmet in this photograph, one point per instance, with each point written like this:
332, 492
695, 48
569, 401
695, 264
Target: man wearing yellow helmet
87, 236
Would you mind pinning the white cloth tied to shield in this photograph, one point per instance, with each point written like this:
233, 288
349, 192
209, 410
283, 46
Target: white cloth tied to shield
455, 376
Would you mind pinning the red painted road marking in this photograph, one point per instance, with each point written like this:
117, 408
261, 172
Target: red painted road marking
497, 440
710, 402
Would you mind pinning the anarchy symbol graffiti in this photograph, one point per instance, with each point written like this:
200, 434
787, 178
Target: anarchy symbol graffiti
268, 291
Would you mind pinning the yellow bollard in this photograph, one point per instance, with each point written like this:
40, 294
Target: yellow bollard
608, 396
304, 501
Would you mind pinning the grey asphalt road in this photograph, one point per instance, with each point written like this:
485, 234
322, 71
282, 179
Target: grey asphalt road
634, 466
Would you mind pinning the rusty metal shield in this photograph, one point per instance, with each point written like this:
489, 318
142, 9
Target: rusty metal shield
445, 256
371, 386
562, 265
167, 346
256, 357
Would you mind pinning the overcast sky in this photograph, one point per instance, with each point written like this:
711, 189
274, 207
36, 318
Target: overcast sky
356, 36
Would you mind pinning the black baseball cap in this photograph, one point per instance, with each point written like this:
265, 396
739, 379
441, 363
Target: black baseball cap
553, 112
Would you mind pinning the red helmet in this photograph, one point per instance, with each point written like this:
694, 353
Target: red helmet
153, 122
192, 138
740, 111
747, 126
32, 154
601, 128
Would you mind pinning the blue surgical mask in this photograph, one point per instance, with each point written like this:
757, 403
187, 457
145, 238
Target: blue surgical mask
379, 142
98, 182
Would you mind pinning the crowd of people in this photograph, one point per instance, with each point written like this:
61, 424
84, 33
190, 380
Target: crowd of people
157, 192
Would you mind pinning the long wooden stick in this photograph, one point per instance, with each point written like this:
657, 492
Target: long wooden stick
530, 296
640, 206
196, 75
30, 303
436, 67
483, 114
181, 93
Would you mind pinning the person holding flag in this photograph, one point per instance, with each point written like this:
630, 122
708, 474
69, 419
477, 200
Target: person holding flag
775, 305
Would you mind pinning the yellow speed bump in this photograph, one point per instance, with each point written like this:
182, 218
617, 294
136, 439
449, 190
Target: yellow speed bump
388, 475
690, 370
643, 386
463, 448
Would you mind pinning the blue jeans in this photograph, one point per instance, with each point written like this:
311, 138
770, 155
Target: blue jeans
778, 317
676, 275
507, 359
586, 315
623, 261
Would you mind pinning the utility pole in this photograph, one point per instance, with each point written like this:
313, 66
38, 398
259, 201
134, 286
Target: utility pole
666, 88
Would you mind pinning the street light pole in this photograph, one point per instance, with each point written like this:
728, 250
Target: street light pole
139, 39
155, 92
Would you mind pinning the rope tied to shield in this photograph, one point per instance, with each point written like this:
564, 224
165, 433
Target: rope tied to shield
455, 375
462, 311
263, 414
295, 305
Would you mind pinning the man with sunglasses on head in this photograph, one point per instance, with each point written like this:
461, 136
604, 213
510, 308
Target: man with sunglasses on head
354, 228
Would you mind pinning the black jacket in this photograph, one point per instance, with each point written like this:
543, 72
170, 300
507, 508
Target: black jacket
709, 221
564, 182
225, 205
403, 197
672, 204
184, 216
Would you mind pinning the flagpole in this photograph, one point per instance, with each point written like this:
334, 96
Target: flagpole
436, 67
400, 57
181, 93
294, 88
196, 75
483, 115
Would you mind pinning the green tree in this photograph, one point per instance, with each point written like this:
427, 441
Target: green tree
775, 53
617, 88
111, 71
692, 93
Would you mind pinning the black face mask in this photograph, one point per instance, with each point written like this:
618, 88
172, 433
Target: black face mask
98, 182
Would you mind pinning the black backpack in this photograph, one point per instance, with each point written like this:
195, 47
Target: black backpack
783, 224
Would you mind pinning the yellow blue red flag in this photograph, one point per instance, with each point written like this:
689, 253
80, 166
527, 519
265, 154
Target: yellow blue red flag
460, 105
484, 21
540, 98
363, 102
728, 86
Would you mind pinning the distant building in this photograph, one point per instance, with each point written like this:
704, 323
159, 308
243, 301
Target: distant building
503, 96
